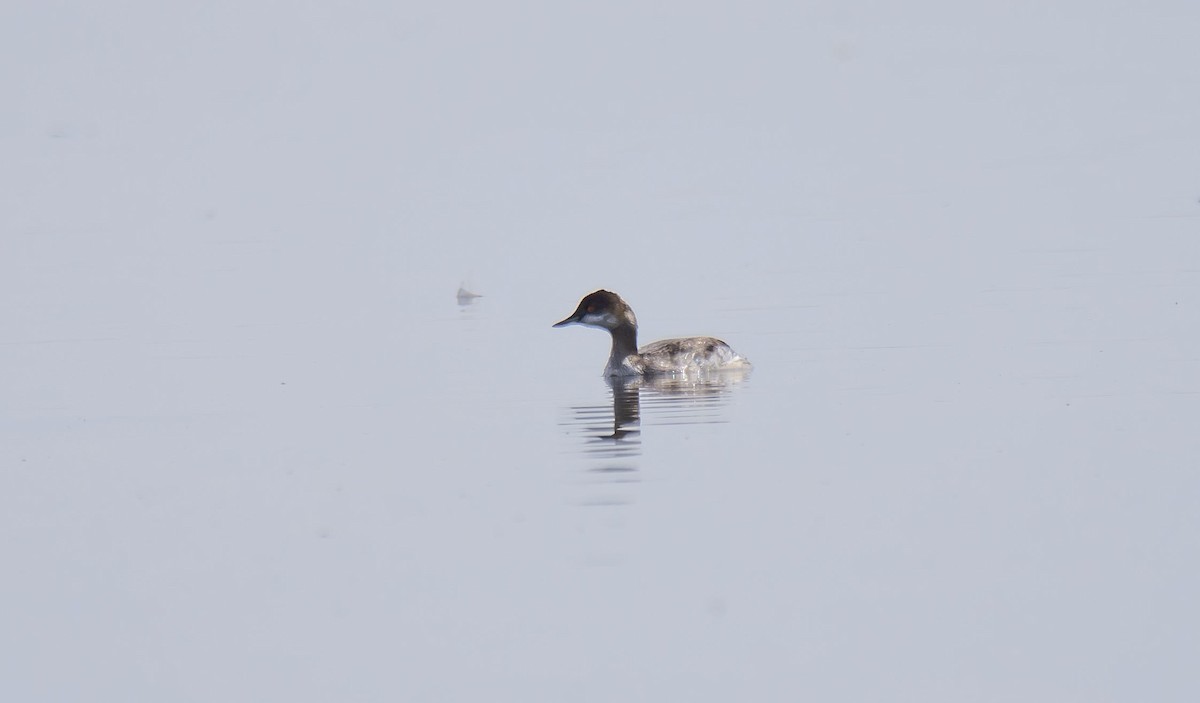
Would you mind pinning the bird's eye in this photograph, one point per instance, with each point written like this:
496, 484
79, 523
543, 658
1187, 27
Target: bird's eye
591, 308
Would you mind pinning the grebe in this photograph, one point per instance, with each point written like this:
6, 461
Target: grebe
608, 311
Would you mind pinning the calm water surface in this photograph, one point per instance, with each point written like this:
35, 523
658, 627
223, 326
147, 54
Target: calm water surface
460, 500
253, 449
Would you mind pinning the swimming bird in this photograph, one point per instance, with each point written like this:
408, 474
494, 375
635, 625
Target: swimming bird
606, 310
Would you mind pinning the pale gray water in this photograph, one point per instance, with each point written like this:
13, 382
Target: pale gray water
253, 448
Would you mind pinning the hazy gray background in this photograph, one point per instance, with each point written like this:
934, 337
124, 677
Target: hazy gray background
251, 449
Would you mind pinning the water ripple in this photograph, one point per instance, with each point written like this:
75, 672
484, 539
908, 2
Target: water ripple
610, 432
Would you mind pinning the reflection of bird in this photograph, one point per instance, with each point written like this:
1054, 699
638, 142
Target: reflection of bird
466, 297
627, 409
608, 311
